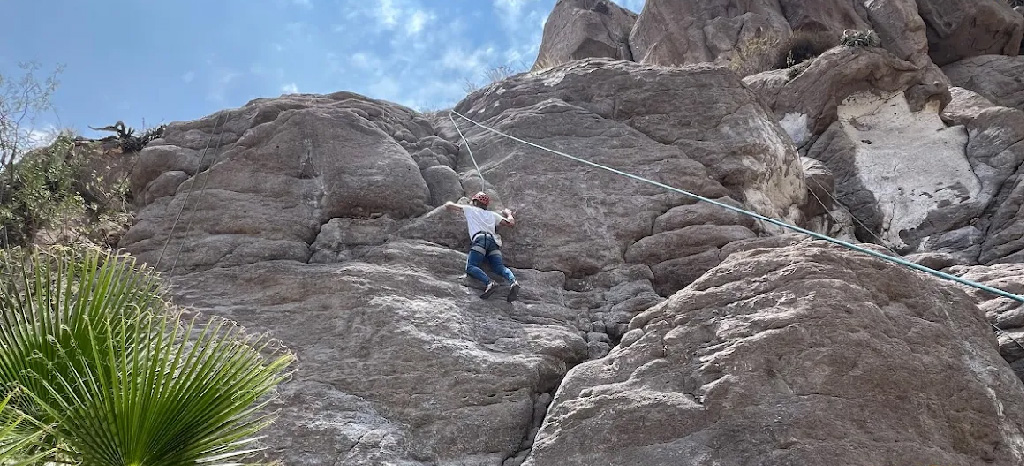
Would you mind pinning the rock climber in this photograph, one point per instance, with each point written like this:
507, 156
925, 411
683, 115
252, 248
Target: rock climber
486, 243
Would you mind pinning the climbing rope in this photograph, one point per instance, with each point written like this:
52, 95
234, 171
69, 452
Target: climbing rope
757, 216
192, 188
199, 199
479, 173
878, 240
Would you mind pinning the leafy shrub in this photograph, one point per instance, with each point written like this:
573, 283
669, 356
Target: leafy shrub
63, 186
117, 375
38, 191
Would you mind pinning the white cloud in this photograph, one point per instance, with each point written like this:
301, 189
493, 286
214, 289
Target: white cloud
417, 20
188, 77
290, 88
388, 13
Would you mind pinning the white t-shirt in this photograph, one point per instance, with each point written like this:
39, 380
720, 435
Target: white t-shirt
480, 220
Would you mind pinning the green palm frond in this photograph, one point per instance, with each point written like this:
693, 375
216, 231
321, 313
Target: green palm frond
124, 380
19, 436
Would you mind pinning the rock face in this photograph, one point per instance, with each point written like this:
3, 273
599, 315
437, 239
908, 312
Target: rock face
997, 78
265, 177
698, 129
1004, 313
960, 29
319, 219
579, 29
678, 33
829, 357
316, 221
399, 361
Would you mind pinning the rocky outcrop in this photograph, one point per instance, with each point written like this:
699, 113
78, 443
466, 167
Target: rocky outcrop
999, 79
996, 153
679, 33
578, 29
397, 360
256, 183
959, 29
676, 33
810, 355
806, 99
1004, 313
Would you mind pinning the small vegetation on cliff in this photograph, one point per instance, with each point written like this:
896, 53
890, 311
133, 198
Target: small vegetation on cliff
127, 139
70, 191
65, 189
101, 370
868, 38
495, 74
767, 53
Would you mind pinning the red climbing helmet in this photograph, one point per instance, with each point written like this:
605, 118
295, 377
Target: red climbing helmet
482, 198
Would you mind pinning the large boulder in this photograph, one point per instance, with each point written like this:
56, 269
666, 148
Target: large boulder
998, 78
578, 29
960, 29
678, 33
263, 178
807, 354
672, 32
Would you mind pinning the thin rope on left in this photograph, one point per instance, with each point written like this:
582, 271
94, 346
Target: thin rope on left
479, 173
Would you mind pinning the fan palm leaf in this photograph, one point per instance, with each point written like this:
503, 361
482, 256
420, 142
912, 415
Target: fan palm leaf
120, 375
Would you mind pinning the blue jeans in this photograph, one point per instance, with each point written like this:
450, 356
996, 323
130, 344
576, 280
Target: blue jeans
484, 246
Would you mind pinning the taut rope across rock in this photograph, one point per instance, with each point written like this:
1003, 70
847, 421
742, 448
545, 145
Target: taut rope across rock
851, 246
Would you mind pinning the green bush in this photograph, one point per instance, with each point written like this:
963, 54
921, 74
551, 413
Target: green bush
60, 188
98, 356
38, 191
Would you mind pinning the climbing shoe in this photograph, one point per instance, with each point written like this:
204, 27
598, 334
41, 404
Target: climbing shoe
513, 292
491, 288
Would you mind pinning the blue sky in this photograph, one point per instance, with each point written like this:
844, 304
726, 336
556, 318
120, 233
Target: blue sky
160, 61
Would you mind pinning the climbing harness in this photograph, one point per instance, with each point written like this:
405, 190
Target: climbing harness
851, 246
